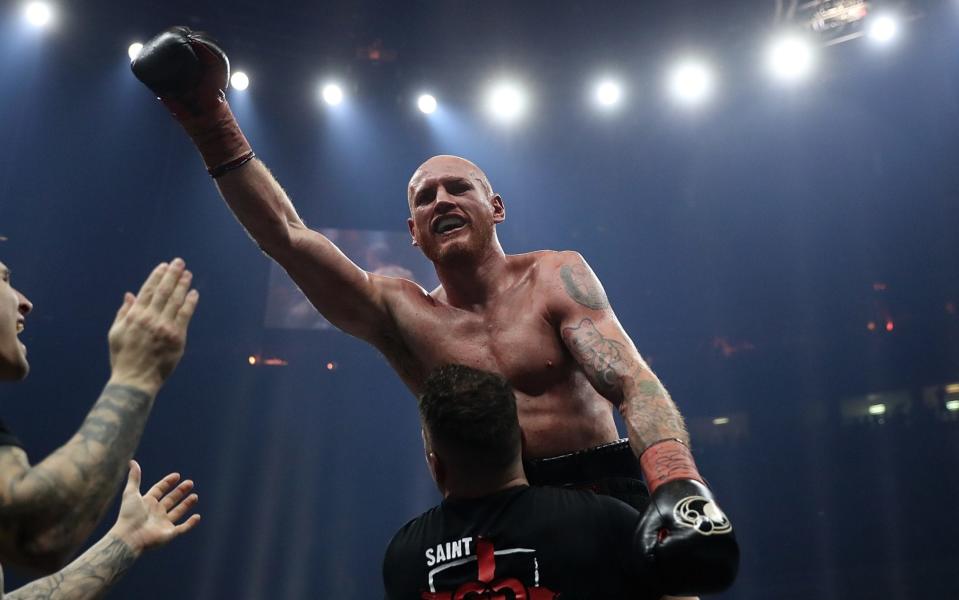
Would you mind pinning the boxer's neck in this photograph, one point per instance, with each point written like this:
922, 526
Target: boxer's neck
474, 284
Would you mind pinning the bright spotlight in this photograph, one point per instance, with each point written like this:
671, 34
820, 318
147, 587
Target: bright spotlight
427, 104
38, 14
332, 94
608, 93
883, 28
134, 50
691, 82
506, 101
239, 81
790, 58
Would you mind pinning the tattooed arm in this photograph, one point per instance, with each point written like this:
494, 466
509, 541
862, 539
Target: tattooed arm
608, 357
89, 576
144, 522
48, 510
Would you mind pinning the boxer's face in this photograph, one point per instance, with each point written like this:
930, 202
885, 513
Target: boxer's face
452, 209
14, 307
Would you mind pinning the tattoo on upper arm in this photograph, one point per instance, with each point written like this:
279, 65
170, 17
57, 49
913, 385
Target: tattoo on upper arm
582, 287
649, 411
605, 360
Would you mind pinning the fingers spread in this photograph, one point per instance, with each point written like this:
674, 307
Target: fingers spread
145, 295
186, 525
162, 487
181, 509
178, 493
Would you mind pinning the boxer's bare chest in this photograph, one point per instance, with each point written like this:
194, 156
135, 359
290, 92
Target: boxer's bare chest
512, 336
516, 337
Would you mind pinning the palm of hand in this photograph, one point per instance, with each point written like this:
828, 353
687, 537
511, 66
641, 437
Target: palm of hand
152, 519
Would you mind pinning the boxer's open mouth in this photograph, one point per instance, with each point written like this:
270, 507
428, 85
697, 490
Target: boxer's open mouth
20, 327
448, 224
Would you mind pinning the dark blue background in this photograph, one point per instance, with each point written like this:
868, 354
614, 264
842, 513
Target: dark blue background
759, 223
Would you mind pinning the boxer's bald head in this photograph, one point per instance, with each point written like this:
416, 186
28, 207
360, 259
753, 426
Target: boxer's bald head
453, 211
446, 165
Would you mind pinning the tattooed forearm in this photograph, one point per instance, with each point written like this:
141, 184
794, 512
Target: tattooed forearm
650, 413
582, 286
59, 501
89, 576
620, 374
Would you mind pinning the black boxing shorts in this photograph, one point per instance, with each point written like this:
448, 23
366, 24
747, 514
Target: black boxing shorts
610, 469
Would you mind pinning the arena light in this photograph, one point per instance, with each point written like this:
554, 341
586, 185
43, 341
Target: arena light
691, 82
952, 388
883, 28
952, 405
239, 81
134, 50
608, 93
332, 94
38, 14
426, 103
721, 421
876, 409
790, 58
506, 101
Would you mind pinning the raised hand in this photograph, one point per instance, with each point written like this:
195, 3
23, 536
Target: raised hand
148, 336
154, 518
145, 522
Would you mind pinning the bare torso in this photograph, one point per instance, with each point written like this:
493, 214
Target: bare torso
514, 335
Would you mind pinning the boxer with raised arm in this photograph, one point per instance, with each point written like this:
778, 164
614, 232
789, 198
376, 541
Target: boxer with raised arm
541, 320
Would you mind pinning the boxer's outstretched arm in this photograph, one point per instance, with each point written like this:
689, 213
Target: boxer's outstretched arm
349, 297
189, 72
608, 357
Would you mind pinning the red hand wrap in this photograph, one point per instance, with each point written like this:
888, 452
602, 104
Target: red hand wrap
217, 136
667, 460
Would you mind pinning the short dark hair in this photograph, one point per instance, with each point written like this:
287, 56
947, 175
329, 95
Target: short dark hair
470, 415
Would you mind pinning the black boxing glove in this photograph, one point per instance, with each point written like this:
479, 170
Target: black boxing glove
686, 539
189, 73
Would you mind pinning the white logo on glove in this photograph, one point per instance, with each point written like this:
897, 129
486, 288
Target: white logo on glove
701, 514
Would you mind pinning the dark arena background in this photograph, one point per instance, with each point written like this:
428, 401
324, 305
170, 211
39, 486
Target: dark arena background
779, 234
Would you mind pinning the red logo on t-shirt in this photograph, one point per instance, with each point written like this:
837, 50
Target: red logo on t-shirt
486, 587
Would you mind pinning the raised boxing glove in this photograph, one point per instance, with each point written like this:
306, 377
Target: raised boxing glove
190, 73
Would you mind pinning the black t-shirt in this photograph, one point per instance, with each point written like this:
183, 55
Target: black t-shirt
538, 543
6, 436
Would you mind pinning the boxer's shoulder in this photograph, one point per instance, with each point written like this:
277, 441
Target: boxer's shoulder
544, 265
